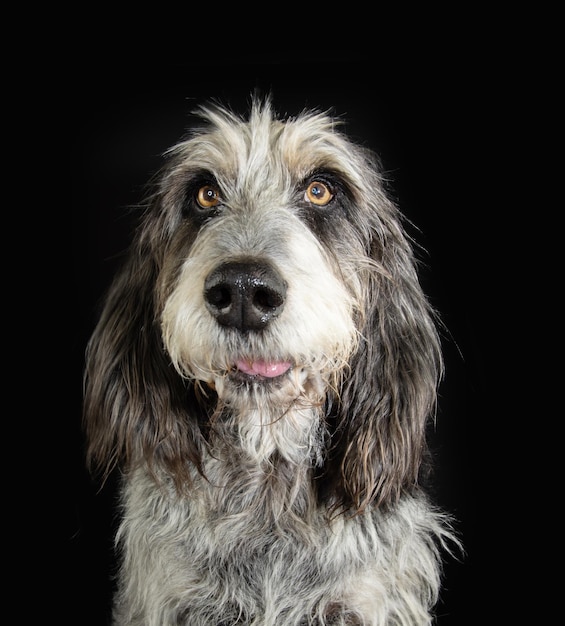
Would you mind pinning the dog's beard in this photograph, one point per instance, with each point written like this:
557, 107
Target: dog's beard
261, 415
265, 405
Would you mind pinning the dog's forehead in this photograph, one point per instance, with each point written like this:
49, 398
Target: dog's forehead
264, 147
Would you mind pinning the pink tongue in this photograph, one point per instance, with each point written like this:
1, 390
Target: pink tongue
261, 368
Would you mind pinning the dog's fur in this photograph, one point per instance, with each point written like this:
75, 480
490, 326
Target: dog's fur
262, 373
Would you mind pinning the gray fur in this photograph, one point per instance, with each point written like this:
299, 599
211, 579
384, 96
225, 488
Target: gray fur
248, 501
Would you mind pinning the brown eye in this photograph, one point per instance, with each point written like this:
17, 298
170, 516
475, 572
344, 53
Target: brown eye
208, 197
318, 193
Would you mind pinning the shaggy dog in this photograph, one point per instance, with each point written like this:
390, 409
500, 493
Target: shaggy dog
262, 374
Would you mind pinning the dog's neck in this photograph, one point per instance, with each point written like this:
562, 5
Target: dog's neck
263, 422
261, 462
265, 435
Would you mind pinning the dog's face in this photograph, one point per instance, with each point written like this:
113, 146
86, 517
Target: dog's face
270, 275
262, 287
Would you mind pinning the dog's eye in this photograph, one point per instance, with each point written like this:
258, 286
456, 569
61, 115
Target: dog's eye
318, 193
208, 197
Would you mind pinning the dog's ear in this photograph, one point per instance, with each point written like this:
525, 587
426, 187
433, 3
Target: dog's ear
135, 405
391, 387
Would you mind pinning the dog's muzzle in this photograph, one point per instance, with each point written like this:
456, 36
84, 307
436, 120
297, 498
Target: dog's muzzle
245, 295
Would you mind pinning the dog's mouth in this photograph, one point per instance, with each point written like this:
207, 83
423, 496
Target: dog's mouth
259, 370
280, 381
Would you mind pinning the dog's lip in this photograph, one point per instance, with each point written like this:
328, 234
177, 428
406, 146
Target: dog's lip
262, 368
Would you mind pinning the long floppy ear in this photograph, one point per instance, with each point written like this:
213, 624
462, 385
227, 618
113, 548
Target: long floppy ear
135, 404
391, 387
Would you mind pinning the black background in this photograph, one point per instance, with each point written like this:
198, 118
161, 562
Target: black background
424, 119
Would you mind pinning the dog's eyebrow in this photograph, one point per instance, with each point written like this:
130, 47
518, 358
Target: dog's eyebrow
201, 175
325, 173
321, 171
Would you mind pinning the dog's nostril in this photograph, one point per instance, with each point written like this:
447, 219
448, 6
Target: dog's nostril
268, 299
245, 295
218, 296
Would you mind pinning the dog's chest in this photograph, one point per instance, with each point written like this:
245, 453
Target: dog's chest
251, 537
239, 510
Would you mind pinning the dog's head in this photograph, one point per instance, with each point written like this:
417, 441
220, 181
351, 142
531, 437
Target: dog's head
269, 272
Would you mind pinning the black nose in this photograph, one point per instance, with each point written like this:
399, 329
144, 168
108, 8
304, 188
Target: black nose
245, 295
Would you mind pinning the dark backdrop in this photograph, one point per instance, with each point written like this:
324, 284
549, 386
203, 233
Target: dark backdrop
420, 118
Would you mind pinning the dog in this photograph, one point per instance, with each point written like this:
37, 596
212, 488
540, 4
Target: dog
262, 375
